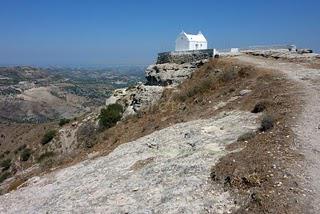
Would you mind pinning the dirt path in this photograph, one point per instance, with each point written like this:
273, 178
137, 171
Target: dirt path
306, 125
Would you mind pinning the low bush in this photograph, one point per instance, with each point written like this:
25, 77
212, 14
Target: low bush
110, 116
245, 71
25, 154
86, 134
4, 176
228, 75
45, 156
20, 148
5, 164
259, 107
199, 88
47, 160
246, 136
48, 136
266, 123
63, 121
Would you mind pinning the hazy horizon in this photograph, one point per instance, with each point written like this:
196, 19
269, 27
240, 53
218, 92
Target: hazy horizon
104, 33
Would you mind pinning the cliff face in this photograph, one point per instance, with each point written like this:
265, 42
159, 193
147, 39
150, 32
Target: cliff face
136, 98
169, 73
181, 57
172, 69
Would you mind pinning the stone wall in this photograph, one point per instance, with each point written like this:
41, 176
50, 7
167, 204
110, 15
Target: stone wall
180, 57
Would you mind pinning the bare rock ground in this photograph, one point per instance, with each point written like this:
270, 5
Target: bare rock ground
164, 172
136, 98
306, 124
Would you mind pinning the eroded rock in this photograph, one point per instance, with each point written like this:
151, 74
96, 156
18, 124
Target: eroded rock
164, 172
137, 98
170, 73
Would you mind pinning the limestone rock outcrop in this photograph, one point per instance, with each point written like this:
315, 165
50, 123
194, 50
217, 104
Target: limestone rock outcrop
136, 98
167, 171
158, 76
170, 73
299, 55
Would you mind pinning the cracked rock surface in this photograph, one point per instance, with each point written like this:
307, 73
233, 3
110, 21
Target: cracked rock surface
164, 172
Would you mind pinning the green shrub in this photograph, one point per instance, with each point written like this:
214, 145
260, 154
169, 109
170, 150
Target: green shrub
111, 115
4, 176
5, 164
63, 121
48, 136
25, 154
266, 123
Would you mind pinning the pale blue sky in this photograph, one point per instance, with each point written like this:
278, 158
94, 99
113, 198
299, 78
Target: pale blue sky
72, 32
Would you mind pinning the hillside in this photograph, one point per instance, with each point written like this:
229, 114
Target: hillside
222, 137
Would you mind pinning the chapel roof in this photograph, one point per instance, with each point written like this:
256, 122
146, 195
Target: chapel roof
195, 37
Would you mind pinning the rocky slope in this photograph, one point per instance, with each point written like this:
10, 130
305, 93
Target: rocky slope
165, 172
198, 150
159, 77
136, 98
302, 55
170, 73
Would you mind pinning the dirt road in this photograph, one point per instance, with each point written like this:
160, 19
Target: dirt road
306, 124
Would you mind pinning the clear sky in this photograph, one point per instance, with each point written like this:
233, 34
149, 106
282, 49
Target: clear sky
88, 32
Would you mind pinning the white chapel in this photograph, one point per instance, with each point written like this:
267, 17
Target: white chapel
188, 42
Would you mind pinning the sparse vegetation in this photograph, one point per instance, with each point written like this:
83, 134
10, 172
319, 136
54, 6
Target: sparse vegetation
46, 160
246, 136
25, 154
5, 164
87, 135
259, 107
45, 156
63, 121
200, 88
244, 170
20, 148
227, 75
245, 71
48, 136
266, 123
110, 116
211, 77
4, 176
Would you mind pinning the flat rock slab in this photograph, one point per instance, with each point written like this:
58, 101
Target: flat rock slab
164, 172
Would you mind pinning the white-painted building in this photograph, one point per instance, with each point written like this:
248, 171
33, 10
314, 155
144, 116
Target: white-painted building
188, 42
